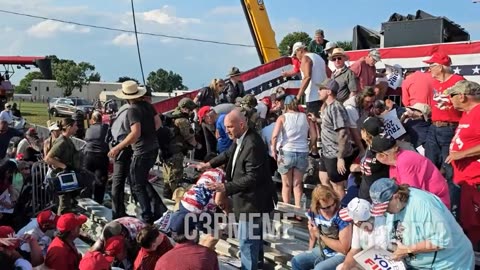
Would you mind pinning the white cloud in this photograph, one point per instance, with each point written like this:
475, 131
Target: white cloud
48, 28
124, 39
166, 15
227, 10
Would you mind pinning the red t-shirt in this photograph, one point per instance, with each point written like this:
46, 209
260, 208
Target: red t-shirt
62, 256
467, 136
146, 260
417, 88
442, 108
186, 256
296, 65
365, 73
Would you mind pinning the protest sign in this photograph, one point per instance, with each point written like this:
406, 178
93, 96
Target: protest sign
378, 259
392, 125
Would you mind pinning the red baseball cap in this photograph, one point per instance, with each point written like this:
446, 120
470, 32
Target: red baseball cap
68, 222
94, 260
47, 217
114, 246
439, 58
6, 231
202, 112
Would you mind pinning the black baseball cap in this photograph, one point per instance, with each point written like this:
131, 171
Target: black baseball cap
382, 143
373, 125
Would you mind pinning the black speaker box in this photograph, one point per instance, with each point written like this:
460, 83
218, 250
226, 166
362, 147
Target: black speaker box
423, 31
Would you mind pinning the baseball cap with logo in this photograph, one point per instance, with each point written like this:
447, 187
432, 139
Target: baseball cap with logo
356, 210
464, 87
114, 246
68, 222
47, 217
329, 84
439, 58
94, 260
202, 112
381, 192
296, 46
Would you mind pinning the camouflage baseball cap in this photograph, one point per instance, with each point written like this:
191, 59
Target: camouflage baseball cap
464, 87
249, 100
187, 103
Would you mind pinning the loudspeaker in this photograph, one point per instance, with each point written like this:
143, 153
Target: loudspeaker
422, 31
45, 66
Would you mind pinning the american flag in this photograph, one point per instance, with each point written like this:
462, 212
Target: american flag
263, 79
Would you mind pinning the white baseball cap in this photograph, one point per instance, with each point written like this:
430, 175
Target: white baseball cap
357, 210
296, 46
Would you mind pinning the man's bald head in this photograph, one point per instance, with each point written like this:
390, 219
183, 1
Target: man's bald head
235, 123
236, 115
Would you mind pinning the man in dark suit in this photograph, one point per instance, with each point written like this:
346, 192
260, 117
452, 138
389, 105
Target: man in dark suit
248, 182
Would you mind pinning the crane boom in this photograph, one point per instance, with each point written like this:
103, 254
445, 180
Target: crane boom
261, 30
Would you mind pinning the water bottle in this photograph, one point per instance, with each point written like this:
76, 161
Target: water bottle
304, 201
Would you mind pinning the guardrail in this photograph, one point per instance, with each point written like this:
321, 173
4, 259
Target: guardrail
42, 198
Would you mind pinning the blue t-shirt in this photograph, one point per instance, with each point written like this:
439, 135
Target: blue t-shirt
331, 228
425, 217
224, 141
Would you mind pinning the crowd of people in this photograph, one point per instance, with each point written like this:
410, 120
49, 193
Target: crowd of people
400, 177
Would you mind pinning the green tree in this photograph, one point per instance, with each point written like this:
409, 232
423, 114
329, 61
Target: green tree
126, 78
70, 75
94, 77
345, 45
24, 86
288, 41
165, 81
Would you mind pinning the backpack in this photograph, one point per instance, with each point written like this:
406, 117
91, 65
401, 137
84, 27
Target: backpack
167, 133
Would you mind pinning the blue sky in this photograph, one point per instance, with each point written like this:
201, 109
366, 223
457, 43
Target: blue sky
114, 54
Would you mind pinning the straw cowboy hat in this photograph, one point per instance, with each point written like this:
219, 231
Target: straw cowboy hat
130, 90
338, 52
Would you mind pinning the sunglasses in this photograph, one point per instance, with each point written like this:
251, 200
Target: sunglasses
328, 207
452, 95
337, 58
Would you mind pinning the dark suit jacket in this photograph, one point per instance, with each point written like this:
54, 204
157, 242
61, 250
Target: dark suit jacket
251, 186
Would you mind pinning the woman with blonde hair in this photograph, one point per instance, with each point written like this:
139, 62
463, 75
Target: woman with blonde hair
210, 95
325, 225
291, 153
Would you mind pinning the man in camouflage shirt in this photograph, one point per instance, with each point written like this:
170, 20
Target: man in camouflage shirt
182, 141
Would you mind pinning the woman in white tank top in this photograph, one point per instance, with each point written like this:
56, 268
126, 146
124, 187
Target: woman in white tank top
292, 156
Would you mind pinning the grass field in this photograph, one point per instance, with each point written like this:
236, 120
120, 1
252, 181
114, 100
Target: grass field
35, 113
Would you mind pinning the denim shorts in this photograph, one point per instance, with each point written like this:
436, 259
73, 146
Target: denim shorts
290, 160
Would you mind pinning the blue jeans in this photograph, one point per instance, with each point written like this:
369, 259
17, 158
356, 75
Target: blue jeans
251, 248
313, 260
143, 191
437, 148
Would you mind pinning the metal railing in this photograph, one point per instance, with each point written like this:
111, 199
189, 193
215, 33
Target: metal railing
42, 197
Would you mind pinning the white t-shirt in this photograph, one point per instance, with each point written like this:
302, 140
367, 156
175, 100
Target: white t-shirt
318, 75
33, 229
6, 116
362, 239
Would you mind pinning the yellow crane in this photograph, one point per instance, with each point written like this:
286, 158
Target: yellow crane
261, 30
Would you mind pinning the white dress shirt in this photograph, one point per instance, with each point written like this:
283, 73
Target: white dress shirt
237, 149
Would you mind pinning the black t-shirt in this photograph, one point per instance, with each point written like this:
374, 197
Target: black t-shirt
372, 170
143, 112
